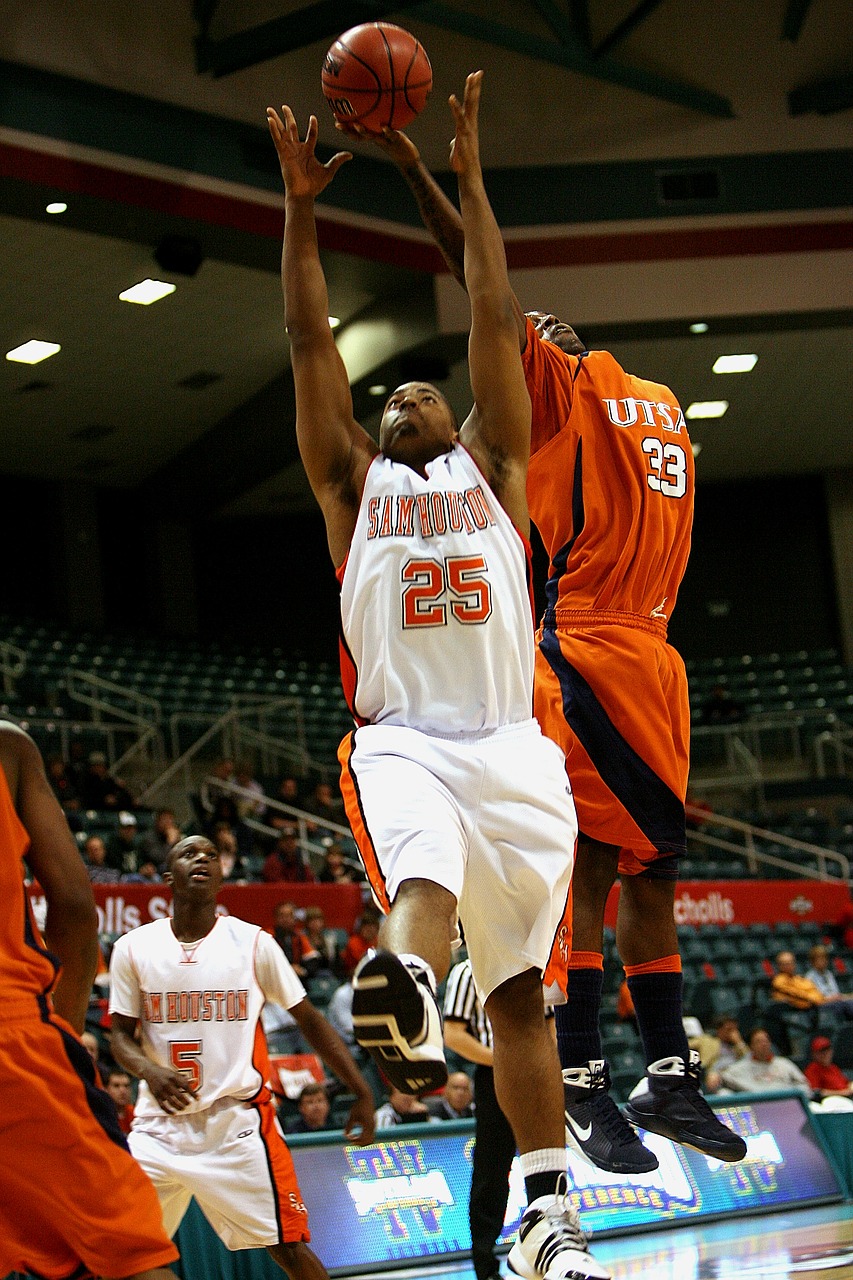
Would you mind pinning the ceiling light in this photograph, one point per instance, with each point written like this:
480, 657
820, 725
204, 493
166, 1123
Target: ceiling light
147, 291
378, 389
706, 409
334, 321
32, 352
56, 206
735, 364
699, 327
696, 448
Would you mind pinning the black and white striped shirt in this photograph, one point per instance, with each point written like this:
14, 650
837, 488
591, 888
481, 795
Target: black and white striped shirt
462, 1004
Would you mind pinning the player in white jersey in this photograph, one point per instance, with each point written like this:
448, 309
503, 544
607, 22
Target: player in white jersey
458, 802
205, 1126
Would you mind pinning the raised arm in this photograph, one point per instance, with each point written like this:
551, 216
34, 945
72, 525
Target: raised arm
498, 430
335, 450
439, 215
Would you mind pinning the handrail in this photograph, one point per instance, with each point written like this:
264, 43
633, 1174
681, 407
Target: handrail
218, 726
13, 662
750, 831
148, 710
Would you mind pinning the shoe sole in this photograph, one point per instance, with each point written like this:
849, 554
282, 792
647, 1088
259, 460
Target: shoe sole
386, 1015
519, 1267
657, 1124
610, 1166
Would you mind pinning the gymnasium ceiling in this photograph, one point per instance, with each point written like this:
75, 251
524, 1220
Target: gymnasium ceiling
655, 163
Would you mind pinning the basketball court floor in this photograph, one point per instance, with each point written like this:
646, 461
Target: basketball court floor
803, 1243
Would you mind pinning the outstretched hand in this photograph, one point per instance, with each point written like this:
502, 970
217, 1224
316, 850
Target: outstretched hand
465, 147
396, 144
302, 172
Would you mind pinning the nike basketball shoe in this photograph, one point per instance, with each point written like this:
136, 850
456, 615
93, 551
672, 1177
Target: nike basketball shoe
551, 1244
396, 1019
596, 1130
669, 1101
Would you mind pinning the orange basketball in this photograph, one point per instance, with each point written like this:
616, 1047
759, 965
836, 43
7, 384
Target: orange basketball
376, 75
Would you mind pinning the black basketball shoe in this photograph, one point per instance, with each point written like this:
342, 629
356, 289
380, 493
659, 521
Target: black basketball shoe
396, 1019
596, 1130
669, 1102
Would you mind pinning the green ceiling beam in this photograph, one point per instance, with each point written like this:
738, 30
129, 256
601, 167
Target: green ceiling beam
625, 27
795, 16
321, 21
574, 58
561, 23
579, 10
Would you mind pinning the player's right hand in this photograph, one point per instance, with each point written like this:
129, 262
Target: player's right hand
170, 1088
396, 144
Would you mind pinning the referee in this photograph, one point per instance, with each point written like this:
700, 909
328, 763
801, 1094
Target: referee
468, 1033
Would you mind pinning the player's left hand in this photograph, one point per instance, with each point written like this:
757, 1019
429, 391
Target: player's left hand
302, 172
361, 1117
465, 147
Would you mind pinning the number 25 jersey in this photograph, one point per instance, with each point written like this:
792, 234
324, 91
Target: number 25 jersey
436, 611
610, 483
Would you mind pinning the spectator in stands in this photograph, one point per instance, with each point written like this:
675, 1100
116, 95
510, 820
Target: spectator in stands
825, 980
326, 807
253, 806
339, 1013
100, 790
288, 793
117, 1085
95, 855
456, 1100
361, 940
762, 1070
337, 868
721, 707
730, 1047
324, 956
156, 843
123, 846
289, 936
78, 765
91, 1045
285, 861
225, 843
62, 784
314, 1110
402, 1108
790, 987
147, 874
827, 1079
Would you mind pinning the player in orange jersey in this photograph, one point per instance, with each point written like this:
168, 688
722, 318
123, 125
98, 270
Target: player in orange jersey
610, 489
72, 1198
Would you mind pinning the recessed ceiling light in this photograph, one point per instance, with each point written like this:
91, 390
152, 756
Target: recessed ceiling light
147, 291
378, 389
735, 364
699, 327
696, 448
32, 352
334, 321
706, 409
56, 206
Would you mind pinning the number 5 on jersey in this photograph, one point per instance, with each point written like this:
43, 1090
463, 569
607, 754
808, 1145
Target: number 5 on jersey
430, 587
185, 1056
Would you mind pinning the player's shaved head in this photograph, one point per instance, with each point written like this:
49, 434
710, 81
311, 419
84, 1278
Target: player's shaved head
556, 331
189, 842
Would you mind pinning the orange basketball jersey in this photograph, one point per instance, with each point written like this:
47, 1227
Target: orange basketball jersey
610, 484
27, 968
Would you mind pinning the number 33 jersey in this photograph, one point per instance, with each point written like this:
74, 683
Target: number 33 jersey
436, 608
199, 1006
610, 484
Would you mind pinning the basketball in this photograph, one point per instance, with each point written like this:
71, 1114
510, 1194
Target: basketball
376, 75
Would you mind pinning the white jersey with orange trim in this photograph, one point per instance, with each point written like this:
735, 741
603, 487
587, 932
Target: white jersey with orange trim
436, 602
199, 1005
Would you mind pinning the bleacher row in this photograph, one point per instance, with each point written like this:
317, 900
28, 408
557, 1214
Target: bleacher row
774, 682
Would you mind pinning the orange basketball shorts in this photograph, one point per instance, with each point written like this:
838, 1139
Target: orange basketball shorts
614, 697
71, 1194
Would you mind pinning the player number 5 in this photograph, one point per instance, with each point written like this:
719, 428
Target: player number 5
185, 1056
430, 586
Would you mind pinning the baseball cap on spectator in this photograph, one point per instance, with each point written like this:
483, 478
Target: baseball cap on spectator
820, 1043
97, 757
126, 819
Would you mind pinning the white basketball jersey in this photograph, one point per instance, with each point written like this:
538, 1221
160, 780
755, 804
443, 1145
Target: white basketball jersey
199, 1006
435, 602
